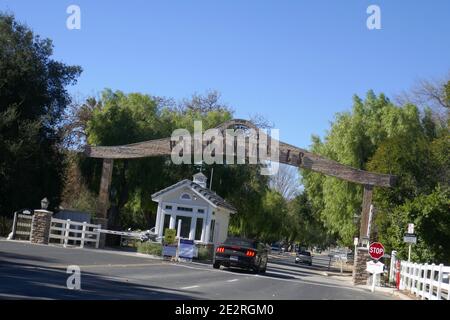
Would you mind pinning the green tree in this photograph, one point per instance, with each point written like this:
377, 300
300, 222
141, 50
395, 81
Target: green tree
303, 225
33, 98
378, 136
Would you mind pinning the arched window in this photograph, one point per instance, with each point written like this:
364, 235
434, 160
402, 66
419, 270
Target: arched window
185, 196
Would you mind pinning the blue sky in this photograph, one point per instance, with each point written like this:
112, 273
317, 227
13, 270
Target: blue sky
296, 63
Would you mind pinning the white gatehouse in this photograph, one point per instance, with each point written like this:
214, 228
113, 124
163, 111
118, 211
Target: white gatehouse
204, 214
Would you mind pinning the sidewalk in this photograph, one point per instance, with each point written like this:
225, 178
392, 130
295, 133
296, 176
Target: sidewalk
347, 277
391, 291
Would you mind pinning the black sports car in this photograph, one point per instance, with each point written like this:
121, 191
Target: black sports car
242, 253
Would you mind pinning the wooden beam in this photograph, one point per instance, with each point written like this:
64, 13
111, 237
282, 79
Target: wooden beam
288, 154
307, 160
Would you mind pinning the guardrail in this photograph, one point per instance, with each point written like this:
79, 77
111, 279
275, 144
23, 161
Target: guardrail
67, 230
427, 281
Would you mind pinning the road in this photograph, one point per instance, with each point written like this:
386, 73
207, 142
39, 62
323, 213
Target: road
30, 271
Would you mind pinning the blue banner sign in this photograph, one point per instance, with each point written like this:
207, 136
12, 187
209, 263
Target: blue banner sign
186, 249
169, 251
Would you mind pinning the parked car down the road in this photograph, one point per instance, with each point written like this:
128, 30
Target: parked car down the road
304, 257
242, 253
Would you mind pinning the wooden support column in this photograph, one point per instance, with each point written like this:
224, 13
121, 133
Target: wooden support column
105, 184
361, 256
103, 198
365, 213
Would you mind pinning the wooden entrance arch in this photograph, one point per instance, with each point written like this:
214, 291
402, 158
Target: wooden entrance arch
288, 154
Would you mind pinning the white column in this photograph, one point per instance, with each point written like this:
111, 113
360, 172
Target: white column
179, 228
162, 215
208, 224
158, 219
203, 236
172, 221
193, 225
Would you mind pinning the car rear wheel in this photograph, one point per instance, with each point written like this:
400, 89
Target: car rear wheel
256, 269
264, 269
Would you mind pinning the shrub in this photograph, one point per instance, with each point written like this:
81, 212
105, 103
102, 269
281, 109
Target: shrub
205, 252
149, 248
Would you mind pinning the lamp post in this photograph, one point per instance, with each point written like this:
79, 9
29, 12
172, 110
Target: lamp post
44, 204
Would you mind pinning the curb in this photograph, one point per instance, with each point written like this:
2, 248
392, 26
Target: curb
390, 291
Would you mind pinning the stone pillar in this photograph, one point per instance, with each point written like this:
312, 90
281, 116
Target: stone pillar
40, 226
360, 275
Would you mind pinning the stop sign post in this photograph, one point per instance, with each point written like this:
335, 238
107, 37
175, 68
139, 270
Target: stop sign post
376, 250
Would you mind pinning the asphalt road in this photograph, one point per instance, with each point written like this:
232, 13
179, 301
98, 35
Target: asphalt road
39, 272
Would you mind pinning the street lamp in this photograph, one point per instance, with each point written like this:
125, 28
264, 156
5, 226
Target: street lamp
44, 204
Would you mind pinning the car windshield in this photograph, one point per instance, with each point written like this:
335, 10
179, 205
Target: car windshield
305, 253
241, 242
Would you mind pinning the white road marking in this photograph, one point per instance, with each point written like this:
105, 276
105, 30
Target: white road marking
190, 287
233, 280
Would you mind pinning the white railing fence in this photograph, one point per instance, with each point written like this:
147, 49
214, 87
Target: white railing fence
74, 233
427, 281
22, 226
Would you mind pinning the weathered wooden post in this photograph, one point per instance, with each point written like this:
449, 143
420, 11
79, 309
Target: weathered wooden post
103, 198
361, 256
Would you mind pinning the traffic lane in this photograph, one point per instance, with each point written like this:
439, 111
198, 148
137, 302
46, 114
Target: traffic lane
203, 282
20, 281
40, 273
162, 281
320, 263
54, 256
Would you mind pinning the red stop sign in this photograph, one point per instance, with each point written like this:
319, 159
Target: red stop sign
376, 250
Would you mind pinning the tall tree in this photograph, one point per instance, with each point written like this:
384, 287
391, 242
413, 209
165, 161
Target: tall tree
33, 97
400, 140
353, 139
286, 181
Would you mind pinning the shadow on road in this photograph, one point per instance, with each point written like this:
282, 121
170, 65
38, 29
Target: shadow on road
305, 267
31, 281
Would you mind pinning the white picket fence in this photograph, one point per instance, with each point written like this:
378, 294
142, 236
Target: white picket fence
76, 232
427, 281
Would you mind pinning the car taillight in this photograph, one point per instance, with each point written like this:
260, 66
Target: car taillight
250, 253
220, 249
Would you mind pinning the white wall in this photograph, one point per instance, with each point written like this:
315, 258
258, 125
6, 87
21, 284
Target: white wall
222, 221
175, 197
